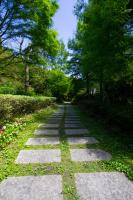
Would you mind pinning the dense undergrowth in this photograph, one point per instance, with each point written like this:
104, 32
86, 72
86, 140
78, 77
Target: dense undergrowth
13, 109
116, 115
12, 106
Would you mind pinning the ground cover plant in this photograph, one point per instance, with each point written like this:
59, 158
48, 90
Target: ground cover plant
14, 105
109, 141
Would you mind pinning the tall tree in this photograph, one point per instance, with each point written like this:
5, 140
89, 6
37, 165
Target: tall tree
103, 35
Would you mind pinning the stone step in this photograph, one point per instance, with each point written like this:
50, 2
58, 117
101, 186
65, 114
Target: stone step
103, 186
88, 155
38, 156
76, 131
49, 125
82, 140
47, 187
49, 132
43, 141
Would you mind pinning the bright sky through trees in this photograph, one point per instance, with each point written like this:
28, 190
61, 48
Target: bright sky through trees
64, 20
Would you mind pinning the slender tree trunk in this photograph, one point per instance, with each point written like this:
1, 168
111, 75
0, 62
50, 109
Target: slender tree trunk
26, 78
101, 86
87, 85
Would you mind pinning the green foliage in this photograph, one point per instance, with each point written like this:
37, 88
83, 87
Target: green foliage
10, 131
7, 89
101, 50
59, 84
13, 106
60, 62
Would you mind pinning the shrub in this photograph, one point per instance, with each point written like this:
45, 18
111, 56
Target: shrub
12, 106
8, 89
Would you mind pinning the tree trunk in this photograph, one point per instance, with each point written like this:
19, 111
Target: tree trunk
101, 86
87, 85
26, 78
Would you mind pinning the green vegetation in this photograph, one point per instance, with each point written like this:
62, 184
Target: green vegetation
96, 73
102, 56
12, 109
120, 149
13, 106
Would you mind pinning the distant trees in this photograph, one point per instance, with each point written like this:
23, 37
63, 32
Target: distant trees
101, 43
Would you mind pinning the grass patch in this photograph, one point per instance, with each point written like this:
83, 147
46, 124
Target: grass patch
112, 141
9, 153
109, 141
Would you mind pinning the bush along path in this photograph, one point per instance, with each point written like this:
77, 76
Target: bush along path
63, 160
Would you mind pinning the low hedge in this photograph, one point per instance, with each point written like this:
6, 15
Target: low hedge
12, 106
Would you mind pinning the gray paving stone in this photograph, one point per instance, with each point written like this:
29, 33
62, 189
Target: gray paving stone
38, 156
43, 141
55, 117
104, 186
74, 126
53, 121
80, 155
72, 122
72, 118
47, 132
76, 131
49, 125
47, 187
82, 140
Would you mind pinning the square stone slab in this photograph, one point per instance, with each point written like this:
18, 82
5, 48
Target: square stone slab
49, 125
72, 122
74, 126
47, 187
53, 121
80, 155
38, 156
43, 141
82, 140
76, 131
46, 132
103, 186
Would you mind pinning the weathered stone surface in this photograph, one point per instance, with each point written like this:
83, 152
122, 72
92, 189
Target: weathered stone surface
47, 187
78, 122
82, 140
55, 117
80, 155
49, 125
53, 121
104, 186
43, 141
38, 156
74, 125
47, 132
76, 131
72, 119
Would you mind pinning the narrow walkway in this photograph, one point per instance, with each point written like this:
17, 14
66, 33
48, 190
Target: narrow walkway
69, 140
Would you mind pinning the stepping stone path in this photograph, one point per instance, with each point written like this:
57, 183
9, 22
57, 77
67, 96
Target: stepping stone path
80, 155
47, 132
38, 156
76, 131
82, 140
47, 187
49, 126
97, 186
43, 141
104, 186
